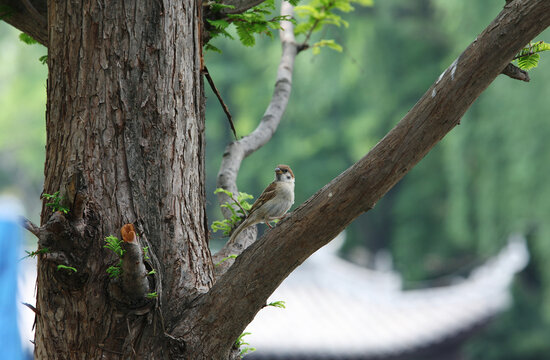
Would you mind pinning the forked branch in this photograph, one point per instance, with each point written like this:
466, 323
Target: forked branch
236, 151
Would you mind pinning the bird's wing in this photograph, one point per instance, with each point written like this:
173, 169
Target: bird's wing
268, 194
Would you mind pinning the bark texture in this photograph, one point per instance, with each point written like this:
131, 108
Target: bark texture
125, 144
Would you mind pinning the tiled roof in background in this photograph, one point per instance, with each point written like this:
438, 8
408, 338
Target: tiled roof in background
338, 310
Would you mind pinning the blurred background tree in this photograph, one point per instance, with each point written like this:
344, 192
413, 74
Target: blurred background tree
485, 180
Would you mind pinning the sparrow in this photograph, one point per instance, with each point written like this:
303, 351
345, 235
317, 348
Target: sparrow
273, 203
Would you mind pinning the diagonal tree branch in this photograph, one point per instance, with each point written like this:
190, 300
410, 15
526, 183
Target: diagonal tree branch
29, 16
238, 150
239, 6
237, 296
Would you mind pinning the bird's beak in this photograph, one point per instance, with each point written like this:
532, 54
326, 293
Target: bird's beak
278, 171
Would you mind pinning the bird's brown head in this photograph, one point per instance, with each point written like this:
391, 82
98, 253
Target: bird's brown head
283, 173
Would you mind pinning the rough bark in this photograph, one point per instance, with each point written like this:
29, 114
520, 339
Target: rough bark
258, 271
125, 144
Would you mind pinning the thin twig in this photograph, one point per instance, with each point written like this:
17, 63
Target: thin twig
239, 205
27, 224
225, 109
304, 45
530, 53
35, 310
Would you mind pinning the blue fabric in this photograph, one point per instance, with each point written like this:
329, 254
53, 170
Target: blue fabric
10, 239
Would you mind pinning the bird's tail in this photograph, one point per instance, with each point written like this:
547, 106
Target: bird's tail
246, 223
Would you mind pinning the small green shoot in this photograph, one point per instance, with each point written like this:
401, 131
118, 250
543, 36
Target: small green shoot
152, 272
240, 342
320, 13
29, 40
238, 209
152, 295
528, 58
232, 256
280, 304
32, 254
66, 268
146, 253
114, 244
55, 202
257, 20
115, 271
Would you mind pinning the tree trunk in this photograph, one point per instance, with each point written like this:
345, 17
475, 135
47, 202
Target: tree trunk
125, 144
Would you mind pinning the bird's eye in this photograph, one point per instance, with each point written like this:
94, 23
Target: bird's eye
285, 170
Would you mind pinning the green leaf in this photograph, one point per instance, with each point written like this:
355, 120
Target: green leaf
247, 39
114, 271
27, 39
114, 244
326, 43
217, 7
152, 295
528, 62
364, 2
232, 256
210, 47
306, 10
239, 340
66, 268
220, 24
302, 28
32, 254
226, 192
43, 59
280, 304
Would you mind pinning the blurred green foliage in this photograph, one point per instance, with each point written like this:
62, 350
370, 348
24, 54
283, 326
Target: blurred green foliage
485, 180
22, 118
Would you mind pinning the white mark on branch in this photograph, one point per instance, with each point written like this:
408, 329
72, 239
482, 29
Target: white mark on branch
453, 69
330, 194
434, 93
441, 76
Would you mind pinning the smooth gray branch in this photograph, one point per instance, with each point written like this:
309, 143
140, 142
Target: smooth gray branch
238, 150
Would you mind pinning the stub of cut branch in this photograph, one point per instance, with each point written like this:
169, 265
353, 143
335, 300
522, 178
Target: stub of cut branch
236, 151
515, 72
134, 273
30, 226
